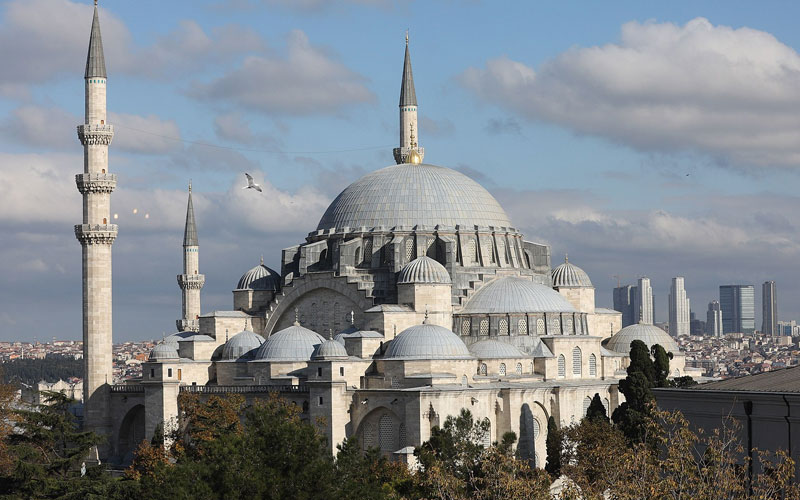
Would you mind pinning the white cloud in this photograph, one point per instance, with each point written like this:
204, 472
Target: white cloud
729, 93
307, 81
144, 134
40, 126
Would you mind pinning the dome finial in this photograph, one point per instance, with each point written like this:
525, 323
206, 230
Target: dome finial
262, 259
190, 185
566, 258
352, 318
330, 333
425, 321
95, 4
296, 317
226, 335
406, 30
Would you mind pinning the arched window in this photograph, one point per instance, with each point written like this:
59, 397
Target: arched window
395, 383
568, 326
519, 368
386, 435
367, 253
555, 326
503, 327
464, 380
502, 369
487, 438
562, 366
522, 326
402, 436
501, 251
357, 259
586, 402
531, 367
409, 249
605, 405
577, 361
536, 428
483, 369
465, 327
540, 326
484, 328
105, 221
592, 365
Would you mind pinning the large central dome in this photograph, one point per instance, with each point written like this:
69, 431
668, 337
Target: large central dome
413, 195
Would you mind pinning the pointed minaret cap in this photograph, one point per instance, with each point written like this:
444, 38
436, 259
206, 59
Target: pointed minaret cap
190, 231
408, 96
95, 61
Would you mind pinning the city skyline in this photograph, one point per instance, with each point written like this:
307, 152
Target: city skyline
618, 199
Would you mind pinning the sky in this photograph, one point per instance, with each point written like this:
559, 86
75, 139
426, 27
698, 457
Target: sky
653, 139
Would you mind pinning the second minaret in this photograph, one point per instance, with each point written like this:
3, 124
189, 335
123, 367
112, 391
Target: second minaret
190, 281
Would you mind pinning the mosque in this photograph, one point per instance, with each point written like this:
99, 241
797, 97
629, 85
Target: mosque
414, 297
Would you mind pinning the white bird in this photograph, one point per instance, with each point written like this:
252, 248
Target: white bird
251, 184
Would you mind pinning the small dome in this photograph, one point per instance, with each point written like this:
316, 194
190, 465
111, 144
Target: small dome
494, 349
423, 270
260, 278
290, 344
516, 295
330, 349
243, 344
649, 334
163, 351
427, 342
567, 275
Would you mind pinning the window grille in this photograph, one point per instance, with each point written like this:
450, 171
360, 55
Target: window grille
503, 327
465, 327
409, 249
387, 438
519, 368
586, 402
577, 361
536, 429
483, 369
592, 365
562, 366
502, 369
540, 326
484, 327
522, 326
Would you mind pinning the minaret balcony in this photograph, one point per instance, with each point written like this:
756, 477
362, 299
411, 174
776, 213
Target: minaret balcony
92, 134
96, 234
96, 183
191, 281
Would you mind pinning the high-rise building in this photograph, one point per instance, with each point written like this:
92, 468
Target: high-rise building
96, 235
714, 319
678, 308
643, 301
738, 308
623, 302
769, 309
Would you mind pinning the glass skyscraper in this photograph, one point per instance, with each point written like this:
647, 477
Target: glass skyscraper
738, 308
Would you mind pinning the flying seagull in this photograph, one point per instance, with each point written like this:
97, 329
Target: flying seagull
251, 184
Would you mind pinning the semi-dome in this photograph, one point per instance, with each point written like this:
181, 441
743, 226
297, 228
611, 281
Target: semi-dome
494, 349
163, 351
516, 295
649, 334
290, 344
427, 342
330, 349
260, 278
423, 270
414, 195
570, 275
242, 345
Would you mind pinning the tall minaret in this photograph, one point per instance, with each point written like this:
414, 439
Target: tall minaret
190, 281
409, 150
96, 235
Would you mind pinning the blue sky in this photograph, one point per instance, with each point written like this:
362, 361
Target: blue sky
644, 138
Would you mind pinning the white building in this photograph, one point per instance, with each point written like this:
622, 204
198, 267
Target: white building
714, 319
643, 301
678, 308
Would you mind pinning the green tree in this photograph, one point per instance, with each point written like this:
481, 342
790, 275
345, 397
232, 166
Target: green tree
553, 445
47, 451
660, 366
631, 416
368, 475
457, 445
596, 411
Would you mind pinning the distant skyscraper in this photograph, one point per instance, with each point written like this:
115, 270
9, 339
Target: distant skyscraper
714, 319
623, 302
643, 301
678, 308
738, 308
769, 309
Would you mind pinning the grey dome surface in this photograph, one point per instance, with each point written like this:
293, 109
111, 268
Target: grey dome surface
423, 270
330, 349
163, 351
177, 337
290, 344
494, 349
241, 344
649, 334
411, 195
427, 342
259, 278
516, 295
570, 275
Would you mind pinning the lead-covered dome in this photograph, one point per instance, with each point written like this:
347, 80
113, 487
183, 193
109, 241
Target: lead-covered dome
414, 195
242, 345
516, 295
260, 278
423, 270
330, 349
494, 349
570, 275
290, 344
649, 334
163, 352
427, 342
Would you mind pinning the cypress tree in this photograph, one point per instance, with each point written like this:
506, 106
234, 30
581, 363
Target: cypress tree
596, 411
553, 465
